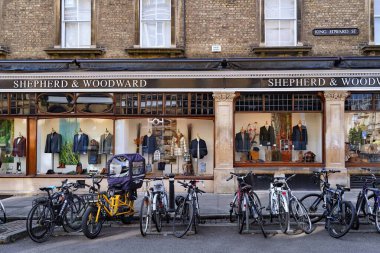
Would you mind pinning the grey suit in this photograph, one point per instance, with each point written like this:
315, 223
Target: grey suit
106, 144
53, 143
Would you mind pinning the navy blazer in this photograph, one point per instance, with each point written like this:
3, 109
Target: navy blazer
194, 148
149, 144
242, 143
299, 137
53, 143
80, 145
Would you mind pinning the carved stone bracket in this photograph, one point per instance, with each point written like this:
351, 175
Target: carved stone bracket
336, 95
224, 96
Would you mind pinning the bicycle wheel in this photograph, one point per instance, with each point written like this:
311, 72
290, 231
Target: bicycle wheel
314, 205
3, 216
240, 214
145, 215
340, 219
377, 216
157, 214
40, 222
372, 204
72, 217
283, 214
183, 218
299, 214
233, 209
255, 204
90, 227
244, 214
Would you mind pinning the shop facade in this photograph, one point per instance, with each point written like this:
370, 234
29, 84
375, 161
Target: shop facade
195, 124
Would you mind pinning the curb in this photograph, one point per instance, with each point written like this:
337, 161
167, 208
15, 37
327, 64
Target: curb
13, 231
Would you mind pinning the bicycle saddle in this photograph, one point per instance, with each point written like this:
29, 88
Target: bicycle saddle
342, 187
49, 188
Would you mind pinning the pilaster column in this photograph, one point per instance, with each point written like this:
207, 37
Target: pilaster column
335, 127
224, 125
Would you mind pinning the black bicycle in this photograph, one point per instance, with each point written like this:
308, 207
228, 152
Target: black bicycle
187, 215
330, 204
60, 208
368, 201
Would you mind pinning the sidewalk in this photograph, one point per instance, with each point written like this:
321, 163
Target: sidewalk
212, 206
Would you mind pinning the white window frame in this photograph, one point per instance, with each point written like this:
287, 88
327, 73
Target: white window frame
156, 20
294, 24
376, 30
63, 26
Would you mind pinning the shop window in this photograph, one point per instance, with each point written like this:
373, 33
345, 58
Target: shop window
169, 144
4, 103
280, 22
76, 24
168, 104
23, 103
277, 128
155, 23
362, 135
55, 103
74, 145
13, 146
94, 103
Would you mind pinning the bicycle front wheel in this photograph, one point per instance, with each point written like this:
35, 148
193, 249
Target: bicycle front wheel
314, 205
40, 222
91, 228
299, 214
145, 215
377, 216
3, 217
340, 219
257, 212
72, 215
183, 218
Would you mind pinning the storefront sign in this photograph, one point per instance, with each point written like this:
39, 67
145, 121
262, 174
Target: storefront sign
189, 83
335, 31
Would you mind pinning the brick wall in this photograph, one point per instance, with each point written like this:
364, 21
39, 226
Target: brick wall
27, 26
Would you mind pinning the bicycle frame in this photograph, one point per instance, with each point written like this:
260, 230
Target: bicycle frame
111, 205
275, 195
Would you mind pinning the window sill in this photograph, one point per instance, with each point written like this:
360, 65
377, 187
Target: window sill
277, 164
372, 50
75, 51
170, 52
282, 51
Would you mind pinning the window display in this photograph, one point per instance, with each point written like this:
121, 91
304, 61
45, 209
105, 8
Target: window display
73, 145
283, 137
13, 147
362, 137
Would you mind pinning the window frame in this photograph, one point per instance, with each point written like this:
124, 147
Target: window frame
375, 17
59, 12
138, 26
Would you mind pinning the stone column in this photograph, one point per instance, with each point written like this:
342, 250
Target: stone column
334, 141
224, 140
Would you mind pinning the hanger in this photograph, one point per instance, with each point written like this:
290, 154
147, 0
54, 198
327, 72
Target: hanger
52, 130
80, 130
299, 122
149, 133
20, 134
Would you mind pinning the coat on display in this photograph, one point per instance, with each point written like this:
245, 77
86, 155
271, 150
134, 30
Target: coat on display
149, 144
93, 152
198, 149
80, 143
299, 137
106, 144
267, 136
53, 143
242, 143
19, 147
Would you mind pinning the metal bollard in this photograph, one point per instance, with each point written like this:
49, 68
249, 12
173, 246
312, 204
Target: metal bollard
171, 192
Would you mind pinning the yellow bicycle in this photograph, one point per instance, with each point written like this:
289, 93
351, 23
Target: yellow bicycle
118, 201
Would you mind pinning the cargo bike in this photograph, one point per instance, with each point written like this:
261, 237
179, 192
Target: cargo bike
126, 173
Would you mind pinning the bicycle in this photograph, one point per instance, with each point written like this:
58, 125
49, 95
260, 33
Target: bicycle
186, 216
57, 209
338, 213
246, 204
278, 203
3, 216
118, 201
296, 208
154, 206
368, 202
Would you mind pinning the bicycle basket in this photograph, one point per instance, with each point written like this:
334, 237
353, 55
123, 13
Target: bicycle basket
132, 171
158, 187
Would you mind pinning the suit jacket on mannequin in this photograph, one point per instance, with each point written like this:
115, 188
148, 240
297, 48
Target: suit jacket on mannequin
266, 136
198, 148
242, 143
19, 147
106, 144
149, 144
53, 143
93, 152
299, 137
80, 143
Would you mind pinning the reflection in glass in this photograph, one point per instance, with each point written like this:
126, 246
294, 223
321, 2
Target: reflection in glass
56, 103
94, 103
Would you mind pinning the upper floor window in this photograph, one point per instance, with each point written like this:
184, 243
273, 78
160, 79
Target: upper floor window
377, 21
155, 23
76, 24
280, 21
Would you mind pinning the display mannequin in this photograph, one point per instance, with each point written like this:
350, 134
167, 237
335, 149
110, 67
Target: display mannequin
80, 143
53, 145
19, 149
106, 143
267, 139
299, 136
242, 142
198, 150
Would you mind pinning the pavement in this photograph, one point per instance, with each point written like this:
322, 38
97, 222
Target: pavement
212, 207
